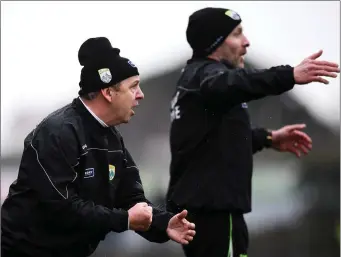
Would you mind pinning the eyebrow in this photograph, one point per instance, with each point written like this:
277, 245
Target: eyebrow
136, 82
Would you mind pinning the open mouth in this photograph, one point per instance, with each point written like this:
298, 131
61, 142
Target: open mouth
134, 107
242, 56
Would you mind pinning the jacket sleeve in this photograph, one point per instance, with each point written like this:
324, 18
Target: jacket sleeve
131, 192
261, 138
51, 159
229, 87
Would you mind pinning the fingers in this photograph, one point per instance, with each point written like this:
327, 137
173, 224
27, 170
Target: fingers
327, 70
324, 74
326, 64
191, 226
184, 242
302, 136
298, 148
317, 69
314, 68
295, 151
189, 238
143, 204
182, 214
319, 79
302, 148
292, 127
188, 224
306, 144
315, 55
149, 209
191, 233
150, 213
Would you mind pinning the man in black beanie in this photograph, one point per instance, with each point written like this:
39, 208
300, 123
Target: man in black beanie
77, 182
211, 139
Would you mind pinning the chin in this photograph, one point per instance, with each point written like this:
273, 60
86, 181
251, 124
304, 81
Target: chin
127, 119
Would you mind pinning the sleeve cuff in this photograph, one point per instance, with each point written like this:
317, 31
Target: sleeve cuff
119, 221
268, 139
161, 221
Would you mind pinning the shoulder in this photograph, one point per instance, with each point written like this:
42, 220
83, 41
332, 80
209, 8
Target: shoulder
214, 67
206, 67
58, 124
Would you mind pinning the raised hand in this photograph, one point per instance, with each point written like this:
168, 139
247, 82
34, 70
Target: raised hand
312, 70
140, 217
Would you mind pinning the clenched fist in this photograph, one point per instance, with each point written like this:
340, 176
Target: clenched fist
140, 217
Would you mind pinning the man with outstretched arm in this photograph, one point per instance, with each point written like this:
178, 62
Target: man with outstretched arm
211, 139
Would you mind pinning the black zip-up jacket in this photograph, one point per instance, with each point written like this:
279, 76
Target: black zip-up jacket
211, 139
75, 184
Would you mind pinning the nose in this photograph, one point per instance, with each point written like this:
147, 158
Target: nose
139, 94
246, 42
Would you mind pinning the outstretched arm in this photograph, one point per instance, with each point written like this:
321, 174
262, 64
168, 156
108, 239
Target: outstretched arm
229, 87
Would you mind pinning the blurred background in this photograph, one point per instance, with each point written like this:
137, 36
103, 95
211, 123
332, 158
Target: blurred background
296, 202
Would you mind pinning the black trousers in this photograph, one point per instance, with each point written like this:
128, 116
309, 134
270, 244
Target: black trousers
213, 234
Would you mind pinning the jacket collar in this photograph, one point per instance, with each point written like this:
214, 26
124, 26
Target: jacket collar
206, 59
87, 117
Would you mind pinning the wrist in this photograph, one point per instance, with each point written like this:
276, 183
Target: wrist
118, 220
269, 138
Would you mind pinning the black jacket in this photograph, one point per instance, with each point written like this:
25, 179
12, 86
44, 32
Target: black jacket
75, 184
211, 138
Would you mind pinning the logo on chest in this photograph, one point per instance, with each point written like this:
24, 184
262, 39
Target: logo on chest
111, 172
89, 173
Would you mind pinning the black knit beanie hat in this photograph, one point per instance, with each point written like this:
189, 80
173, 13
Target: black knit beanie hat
103, 66
207, 29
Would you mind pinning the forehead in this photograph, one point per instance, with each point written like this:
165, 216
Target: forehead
131, 81
239, 27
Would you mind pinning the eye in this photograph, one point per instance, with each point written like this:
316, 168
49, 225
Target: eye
238, 32
134, 88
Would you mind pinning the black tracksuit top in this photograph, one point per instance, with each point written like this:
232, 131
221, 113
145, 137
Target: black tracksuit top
211, 140
75, 184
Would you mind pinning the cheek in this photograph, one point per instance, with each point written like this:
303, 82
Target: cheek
133, 95
129, 99
235, 50
235, 47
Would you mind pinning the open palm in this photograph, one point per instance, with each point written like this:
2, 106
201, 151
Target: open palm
179, 229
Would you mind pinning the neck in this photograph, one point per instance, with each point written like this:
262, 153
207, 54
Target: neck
215, 56
100, 108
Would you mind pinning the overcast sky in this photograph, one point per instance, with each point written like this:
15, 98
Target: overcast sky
40, 42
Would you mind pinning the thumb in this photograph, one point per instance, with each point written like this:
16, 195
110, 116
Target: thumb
182, 214
315, 55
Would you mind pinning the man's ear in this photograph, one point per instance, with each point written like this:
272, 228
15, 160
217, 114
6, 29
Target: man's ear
107, 94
